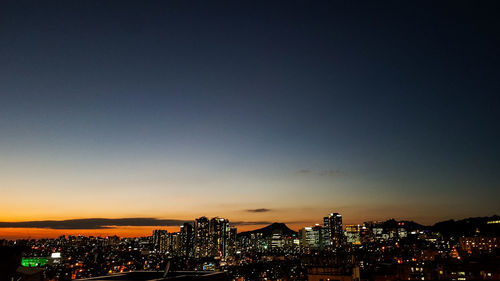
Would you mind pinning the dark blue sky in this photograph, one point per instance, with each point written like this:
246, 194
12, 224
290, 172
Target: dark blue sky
388, 109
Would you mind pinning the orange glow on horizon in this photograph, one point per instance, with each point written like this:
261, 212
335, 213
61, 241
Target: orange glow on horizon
143, 231
38, 233
123, 231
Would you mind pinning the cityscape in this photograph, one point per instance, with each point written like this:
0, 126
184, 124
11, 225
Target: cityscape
249, 140
467, 249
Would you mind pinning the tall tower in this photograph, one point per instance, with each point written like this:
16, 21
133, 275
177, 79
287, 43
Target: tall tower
219, 234
231, 244
160, 240
186, 240
201, 237
333, 224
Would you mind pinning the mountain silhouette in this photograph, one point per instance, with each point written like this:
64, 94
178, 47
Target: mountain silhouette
270, 229
477, 226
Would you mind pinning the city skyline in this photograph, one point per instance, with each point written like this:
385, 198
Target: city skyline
142, 227
212, 246
256, 112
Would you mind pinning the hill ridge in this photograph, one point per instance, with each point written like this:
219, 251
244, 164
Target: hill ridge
268, 230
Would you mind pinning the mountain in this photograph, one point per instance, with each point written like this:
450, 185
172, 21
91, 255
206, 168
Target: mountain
268, 230
478, 226
469, 227
409, 225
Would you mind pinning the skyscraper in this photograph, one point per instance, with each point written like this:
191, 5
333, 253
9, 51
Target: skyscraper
333, 224
186, 240
314, 237
219, 234
201, 237
160, 240
173, 243
232, 241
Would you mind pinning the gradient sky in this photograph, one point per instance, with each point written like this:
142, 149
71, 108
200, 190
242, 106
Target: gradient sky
177, 109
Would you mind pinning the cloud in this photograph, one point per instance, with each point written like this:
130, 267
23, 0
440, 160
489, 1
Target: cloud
92, 223
304, 171
261, 210
102, 223
330, 172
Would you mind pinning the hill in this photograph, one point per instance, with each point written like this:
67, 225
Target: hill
268, 230
469, 227
409, 225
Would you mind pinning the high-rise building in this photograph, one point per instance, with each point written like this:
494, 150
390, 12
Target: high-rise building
333, 224
160, 240
186, 234
311, 237
173, 243
231, 245
201, 237
219, 234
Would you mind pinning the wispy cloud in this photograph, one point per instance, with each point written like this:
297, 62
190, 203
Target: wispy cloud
260, 210
329, 172
304, 171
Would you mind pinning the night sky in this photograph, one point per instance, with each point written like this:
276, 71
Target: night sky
258, 111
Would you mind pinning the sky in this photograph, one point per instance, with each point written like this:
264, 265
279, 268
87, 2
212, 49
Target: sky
256, 111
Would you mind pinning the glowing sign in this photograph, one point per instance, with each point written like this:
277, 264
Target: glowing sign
33, 262
55, 255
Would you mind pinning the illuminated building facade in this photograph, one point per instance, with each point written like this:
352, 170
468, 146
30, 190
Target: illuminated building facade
219, 234
186, 240
352, 234
160, 240
479, 245
231, 249
201, 237
314, 237
173, 243
333, 225
277, 240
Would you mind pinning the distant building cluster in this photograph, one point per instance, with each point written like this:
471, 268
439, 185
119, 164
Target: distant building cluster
328, 236
207, 238
216, 238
